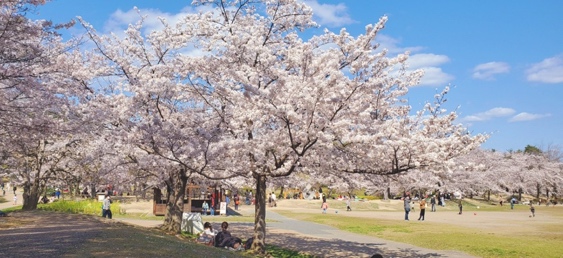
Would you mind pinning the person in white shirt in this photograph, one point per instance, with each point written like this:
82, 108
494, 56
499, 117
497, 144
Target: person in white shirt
208, 229
274, 199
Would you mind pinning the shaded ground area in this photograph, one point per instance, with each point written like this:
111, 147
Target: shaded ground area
52, 234
44, 234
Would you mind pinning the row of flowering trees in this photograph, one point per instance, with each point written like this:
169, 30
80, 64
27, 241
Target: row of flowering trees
232, 93
507, 174
478, 173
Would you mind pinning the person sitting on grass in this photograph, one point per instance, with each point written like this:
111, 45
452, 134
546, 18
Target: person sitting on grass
207, 237
224, 239
223, 234
208, 229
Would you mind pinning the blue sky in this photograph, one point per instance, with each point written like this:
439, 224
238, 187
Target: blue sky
503, 59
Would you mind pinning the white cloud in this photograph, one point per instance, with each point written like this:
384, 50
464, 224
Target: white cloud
550, 70
426, 60
489, 114
487, 71
329, 14
527, 117
391, 44
433, 75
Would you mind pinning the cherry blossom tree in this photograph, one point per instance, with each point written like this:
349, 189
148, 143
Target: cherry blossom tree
260, 102
333, 101
158, 111
40, 84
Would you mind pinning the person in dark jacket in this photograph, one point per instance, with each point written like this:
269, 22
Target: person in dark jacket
224, 239
222, 235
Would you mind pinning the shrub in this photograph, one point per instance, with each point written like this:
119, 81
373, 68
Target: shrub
83, 207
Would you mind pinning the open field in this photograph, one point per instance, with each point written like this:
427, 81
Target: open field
482, 230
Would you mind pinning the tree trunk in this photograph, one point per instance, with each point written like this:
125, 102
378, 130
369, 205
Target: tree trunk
329, 193
519, 194
259, 243
547, 193
93, 193
538, 191
176, 186
489, 195
135, 191
387, 191
281, 196
30, 195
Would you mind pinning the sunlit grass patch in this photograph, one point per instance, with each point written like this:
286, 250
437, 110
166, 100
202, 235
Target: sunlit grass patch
440, 236
92, 207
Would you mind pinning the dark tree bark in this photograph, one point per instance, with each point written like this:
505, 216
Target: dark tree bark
176, 186
281, 196
259, 244
31, 195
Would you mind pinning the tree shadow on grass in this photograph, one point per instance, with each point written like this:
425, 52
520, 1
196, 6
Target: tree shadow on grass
52, 234
320, 247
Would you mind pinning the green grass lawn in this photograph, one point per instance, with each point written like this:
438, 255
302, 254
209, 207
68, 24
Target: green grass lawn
439, 236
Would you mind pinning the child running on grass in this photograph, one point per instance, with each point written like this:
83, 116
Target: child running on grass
324, 206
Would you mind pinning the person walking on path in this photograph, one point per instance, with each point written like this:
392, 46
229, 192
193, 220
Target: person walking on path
532, 210
237, 201
348, 208
58, 193
460, 207
274, 204
15, 199
324, 206
407, 202
433, 203
422, 209
106, 210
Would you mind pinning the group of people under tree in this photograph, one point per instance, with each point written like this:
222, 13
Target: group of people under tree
223, 238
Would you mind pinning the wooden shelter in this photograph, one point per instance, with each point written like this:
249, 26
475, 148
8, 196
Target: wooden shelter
193, 199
